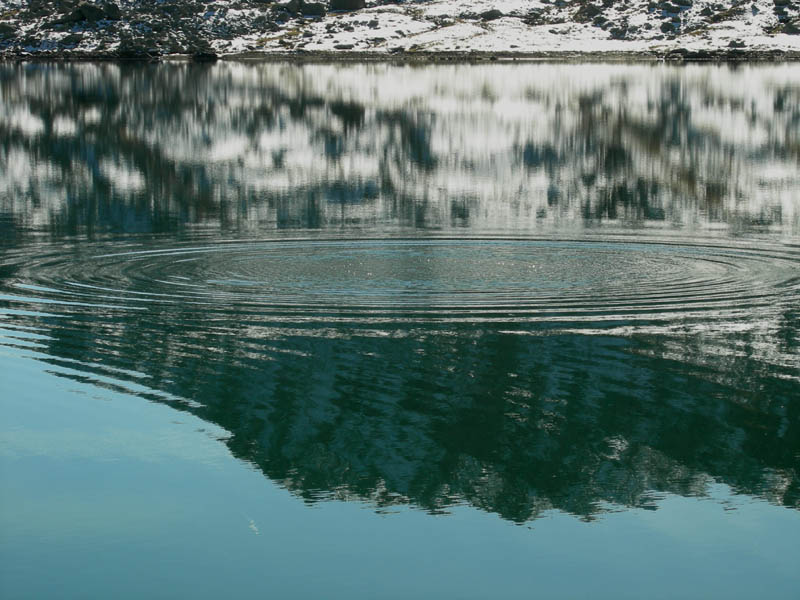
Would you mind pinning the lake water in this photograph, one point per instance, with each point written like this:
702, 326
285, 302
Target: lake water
385, 331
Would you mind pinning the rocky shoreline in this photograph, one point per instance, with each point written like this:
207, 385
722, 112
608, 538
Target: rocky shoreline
396, 30
323, 56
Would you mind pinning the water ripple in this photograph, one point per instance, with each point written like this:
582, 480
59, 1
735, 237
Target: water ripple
383, 281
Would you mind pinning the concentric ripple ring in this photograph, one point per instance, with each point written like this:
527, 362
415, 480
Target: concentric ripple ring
458, 279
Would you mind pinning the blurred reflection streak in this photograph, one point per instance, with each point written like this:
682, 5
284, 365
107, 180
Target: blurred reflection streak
134, 148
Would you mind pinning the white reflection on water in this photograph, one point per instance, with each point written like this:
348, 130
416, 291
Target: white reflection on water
500, 147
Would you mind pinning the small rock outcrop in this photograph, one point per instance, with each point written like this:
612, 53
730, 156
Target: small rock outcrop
347, 4
91, 12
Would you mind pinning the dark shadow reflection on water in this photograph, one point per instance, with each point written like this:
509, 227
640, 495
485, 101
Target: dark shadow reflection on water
512, 415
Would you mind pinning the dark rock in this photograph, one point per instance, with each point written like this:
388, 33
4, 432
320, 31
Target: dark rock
667, 27
179, 10
97, 12
72, 39
736, 44
535, 17
86, 11
111, 11
586, 13
677, 54
792, 27
135, 52
491, 15
262, 23
726, 15
204, 56
347, 4
618, 33
7, 30
42, 8
343, 46
292, 7
313, 9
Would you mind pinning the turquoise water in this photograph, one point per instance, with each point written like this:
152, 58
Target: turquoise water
387, 331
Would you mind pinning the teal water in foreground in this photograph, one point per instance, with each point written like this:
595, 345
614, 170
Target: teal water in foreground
383, 331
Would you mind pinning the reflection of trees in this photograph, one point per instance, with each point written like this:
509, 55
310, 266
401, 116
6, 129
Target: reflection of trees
513, 424
233, 144
430, 415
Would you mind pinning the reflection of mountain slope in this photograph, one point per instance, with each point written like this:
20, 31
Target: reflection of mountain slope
514, 424
135, 148
511, 416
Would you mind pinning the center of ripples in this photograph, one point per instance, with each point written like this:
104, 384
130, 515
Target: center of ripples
515, 277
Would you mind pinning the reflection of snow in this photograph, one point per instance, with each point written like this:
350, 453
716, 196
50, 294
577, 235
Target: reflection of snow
253, 527
496, 146
24, 122
123, 179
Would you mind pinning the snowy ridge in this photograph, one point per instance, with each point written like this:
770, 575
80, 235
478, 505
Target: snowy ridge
153, 28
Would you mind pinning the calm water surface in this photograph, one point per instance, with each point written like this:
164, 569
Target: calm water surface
376, 331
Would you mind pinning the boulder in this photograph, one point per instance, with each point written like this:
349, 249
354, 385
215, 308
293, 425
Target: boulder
792, 27
204, 56
292, 7
87, 11
618, 33
586, 13
111, 11
133, 51
347, 4
313, 9
491, 15
669, 8
71, 40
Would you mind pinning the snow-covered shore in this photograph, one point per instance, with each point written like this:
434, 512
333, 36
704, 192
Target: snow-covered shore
149, 29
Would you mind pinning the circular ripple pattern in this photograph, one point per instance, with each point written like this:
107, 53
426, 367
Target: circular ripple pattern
512, 280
